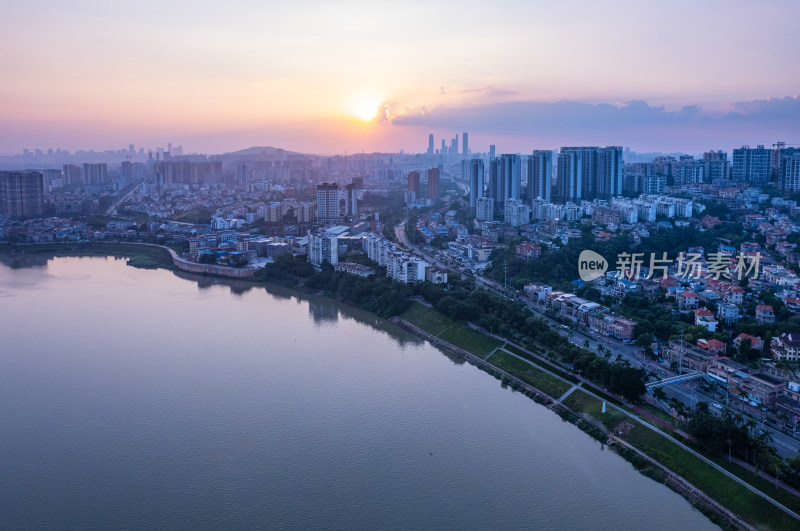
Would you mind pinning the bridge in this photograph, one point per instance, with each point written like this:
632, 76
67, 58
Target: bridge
675, 379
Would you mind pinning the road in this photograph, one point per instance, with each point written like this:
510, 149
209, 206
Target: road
576, 337
785, 445
112, 210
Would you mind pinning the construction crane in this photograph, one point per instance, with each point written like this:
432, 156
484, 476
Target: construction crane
780, 145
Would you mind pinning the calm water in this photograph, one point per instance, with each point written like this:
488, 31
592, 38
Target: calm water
133, 399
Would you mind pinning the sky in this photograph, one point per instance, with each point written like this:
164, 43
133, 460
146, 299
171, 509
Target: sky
351, 76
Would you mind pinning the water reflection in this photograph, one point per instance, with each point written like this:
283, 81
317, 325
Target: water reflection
22, 261
323, 311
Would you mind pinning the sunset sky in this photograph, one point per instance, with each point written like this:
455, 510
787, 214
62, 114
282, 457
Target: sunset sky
309, 75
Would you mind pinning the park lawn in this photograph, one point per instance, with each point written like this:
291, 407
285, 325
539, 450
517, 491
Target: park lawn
522, 354
580, 402
426, 318
455, 332
734, 496
547, 383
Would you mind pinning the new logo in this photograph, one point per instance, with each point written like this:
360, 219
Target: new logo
591, 265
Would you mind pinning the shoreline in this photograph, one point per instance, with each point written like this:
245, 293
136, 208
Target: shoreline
712, 509
643, 462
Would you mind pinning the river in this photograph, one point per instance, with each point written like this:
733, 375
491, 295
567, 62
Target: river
143, 399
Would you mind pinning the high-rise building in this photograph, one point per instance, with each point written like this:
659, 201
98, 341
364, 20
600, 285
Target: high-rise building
351, 200
465, 144
573, 166
430, 144
497, 190
305, 213
21, 194
716, 165
789, 179
484, 209
653, 184
540, 174
433, 185
516, 213
752, 165
476, 182
687, 171
272, 212
72, 174
588, 173
511, 174
241, 174
322, 246
491, 151
444, 148
413, 182
328, 203
609, 172
454, 145
95, 173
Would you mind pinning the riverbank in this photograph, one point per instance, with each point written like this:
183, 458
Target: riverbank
635, 433
595, 428
657, 456
142, 255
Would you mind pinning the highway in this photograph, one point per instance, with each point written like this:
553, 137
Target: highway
112, 210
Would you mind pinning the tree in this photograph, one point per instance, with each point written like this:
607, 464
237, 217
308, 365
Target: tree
744, 347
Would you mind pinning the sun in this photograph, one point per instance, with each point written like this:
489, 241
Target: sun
364, 109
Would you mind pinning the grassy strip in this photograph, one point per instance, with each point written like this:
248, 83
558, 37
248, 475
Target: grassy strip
455, 332
537, 378
582, 403
732, 495
522, 354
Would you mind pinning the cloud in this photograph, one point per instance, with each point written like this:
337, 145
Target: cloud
630, 123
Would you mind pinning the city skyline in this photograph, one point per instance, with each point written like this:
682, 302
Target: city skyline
358, 77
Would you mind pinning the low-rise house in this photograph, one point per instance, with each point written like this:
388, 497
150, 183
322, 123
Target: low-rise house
765, 313
354, 269
537, 292
688, 357
712, 346
687, 300
528, 251
792, 304
786, 347
727, 313
704, 317
755, 342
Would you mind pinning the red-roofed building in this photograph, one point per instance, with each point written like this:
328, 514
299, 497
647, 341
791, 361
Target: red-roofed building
765, 313
716, 347
735, 295
709, 222
755, 342
703, 317
667, 282
528, 251
713, 346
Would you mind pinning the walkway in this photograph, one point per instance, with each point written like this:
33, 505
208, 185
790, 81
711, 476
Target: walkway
565, 395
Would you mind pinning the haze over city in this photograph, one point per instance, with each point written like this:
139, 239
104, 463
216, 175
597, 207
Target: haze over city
350, 76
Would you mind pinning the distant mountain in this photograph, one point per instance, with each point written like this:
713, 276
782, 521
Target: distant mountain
263, 150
